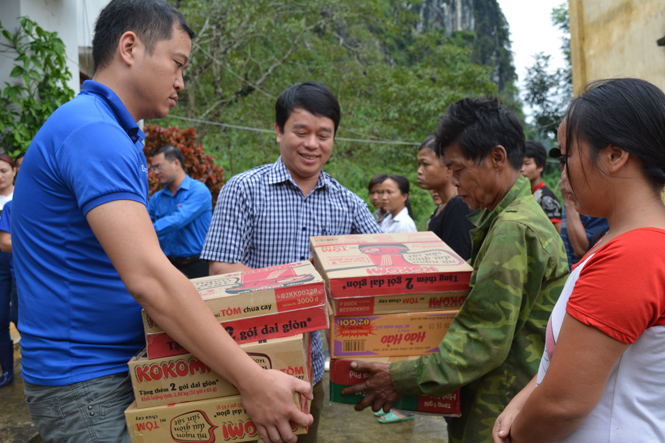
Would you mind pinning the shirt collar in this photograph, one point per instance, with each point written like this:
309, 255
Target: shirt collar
279, 174
127, 122
401, 215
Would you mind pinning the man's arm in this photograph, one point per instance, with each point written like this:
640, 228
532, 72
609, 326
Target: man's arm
482, 333
5, 241
125, 232
576, 232
218, 267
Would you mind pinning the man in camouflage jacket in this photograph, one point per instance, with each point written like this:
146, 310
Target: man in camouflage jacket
493, 348
494, 345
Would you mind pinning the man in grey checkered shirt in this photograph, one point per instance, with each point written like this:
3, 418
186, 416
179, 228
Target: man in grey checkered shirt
265, 216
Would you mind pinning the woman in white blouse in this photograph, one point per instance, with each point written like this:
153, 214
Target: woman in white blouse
396, 202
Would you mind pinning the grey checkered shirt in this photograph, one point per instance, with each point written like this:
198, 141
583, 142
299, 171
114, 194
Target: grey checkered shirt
262, 219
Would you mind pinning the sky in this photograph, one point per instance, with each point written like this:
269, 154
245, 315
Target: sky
532, 31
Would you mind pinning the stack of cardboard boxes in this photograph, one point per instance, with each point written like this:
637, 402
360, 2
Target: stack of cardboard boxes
393, 297
268, 312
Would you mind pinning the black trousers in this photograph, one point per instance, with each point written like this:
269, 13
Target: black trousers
196, 269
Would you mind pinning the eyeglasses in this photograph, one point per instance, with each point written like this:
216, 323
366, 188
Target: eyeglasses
155, 168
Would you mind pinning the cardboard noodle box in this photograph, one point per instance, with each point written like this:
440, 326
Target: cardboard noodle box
414, 333
342, 376
395, 304
388, 264
213, 420
247, 330
185, 378
257, 292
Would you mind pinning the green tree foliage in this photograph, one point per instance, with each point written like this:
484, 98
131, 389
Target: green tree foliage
549, 92
393, 82
40, 72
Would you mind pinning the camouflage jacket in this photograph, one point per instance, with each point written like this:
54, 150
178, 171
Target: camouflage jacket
494, 346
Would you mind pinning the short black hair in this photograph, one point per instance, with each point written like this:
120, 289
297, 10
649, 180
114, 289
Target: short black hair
628, 113
377, 179
314, 97
170, 153
478, 125
536, 151
151, 20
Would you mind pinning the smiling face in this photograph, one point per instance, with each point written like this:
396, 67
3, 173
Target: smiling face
305, 146
477, 184
393, 199
432, 172
158, 76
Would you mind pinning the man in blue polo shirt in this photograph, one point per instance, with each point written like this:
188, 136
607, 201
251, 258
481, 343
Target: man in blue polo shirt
180, 212
86, 254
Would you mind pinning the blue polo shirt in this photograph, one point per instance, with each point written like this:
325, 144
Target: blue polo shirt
182, 220
78, 321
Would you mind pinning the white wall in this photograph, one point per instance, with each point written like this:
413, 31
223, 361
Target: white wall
73, 20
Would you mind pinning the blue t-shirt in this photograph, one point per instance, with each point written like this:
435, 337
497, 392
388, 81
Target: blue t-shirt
182, 220
78, 322
4, 226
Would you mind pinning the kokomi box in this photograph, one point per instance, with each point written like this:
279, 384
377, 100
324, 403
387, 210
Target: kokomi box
257, 292
413, 333
343, 376
388, 264
185, 378
213, 420
395, 304
247, 330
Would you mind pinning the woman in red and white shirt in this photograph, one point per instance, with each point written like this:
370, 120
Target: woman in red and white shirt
602, 376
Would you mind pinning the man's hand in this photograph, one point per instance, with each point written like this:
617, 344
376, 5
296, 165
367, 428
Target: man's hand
269, 402
379, 388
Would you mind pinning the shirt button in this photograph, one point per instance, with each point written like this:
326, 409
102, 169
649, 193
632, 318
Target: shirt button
89, 408
92, 413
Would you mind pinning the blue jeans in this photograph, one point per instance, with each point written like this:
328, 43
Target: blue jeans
88, 411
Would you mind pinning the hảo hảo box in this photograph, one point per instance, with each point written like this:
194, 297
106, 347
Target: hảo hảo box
413, 333
247, 330
388, 264
213, 420
185, 378
257, 292
395, 304
343, 376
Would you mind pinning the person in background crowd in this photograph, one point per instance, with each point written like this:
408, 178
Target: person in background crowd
576, 229
8, 307
18, 160
533, 166
435, 197
396, 202
601, 375
265, 216
519, 269
449, 222
180, 212
376, 196
86, 255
